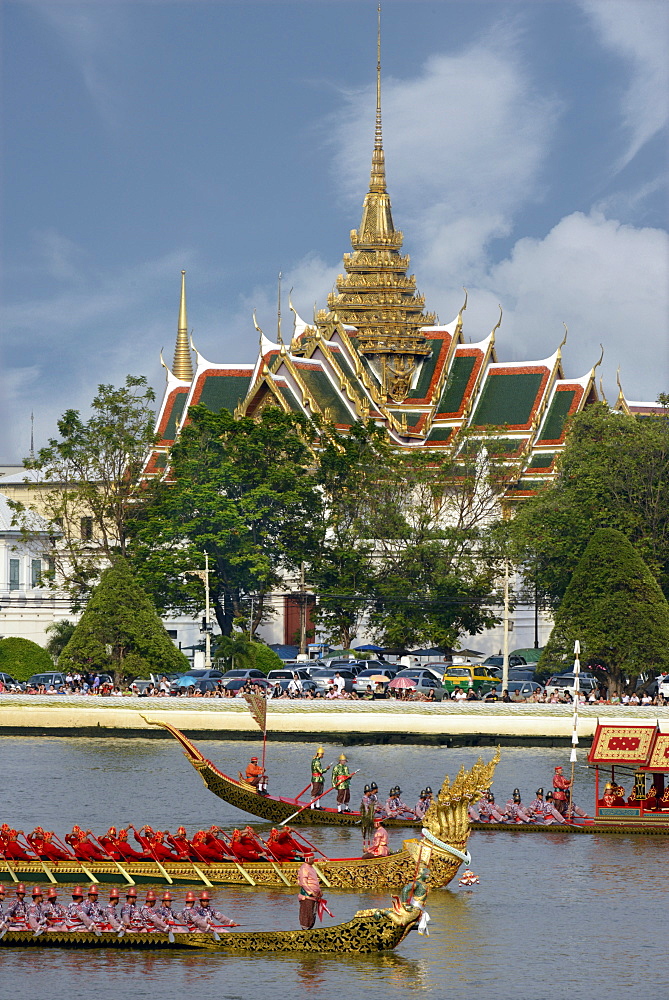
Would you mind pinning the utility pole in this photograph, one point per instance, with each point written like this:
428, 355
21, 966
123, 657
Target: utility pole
203, 574
505, 661
303, 612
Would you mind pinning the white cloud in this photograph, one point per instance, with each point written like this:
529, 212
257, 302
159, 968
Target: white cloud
465, 141
608, 282
637, 32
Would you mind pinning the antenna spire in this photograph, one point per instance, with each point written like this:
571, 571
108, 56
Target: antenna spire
377, 182
183, 365
279, 338
32, 434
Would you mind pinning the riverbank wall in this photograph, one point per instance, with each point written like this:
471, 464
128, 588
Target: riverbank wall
344, 722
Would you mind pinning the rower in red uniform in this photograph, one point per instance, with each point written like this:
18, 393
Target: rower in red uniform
159, 848
127, 852
181, 844
82, 848
281, 845
245, 847
203, 850
41, 842
214, 843
9, 844
109, 842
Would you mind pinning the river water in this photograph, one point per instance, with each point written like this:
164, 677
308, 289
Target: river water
576, 916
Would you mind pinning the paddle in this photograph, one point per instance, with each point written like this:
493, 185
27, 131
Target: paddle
87, 873
30, 847
236, 863
344, 777
198, 871
129, 879
8, 866
148, 847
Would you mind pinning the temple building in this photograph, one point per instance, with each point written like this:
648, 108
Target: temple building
376, 353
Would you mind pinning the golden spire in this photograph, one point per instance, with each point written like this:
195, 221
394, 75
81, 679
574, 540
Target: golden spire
183, 364
376, 295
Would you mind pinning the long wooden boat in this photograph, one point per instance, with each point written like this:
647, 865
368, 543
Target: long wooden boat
274, 809
367, 932
442, 847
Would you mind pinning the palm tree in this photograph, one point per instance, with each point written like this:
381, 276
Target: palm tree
237, 649
60, 634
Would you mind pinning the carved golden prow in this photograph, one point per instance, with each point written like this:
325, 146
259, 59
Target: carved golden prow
447, 818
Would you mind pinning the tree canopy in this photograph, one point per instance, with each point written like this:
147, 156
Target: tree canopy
121, 629
614, 606
88, 479
244, 492
614, 473
20, 658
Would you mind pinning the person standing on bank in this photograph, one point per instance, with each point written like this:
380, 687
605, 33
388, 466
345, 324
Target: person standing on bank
341, 780
310, 891
318, 773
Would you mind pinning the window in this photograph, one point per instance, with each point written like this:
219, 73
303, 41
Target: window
36, 572
86, 527
13, 574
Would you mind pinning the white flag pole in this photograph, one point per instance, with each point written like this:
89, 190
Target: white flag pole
574, 732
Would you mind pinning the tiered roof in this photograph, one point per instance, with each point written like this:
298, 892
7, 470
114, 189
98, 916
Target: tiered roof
376, 354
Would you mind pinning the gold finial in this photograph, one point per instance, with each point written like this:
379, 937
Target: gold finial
566, 334
255, 323
279, 338
601, 358
183, 364
601, 390
377, 182
497, 324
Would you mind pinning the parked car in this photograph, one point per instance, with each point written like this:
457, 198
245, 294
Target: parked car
521, 674
9, 683
325, 677
52, 678
283, 682
232, 674
438, 667
279, 675
663, 685
498, 661
238, 682
424, 681
470, 678
518, 691
365, 677
564, 684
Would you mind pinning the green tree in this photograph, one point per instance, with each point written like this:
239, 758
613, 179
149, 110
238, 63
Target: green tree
241, 490
87, 480
121, 629
20, 658
59, 634
614, 606
409, 543
614, 474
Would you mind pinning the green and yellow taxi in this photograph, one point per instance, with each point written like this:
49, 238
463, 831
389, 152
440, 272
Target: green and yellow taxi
469, 677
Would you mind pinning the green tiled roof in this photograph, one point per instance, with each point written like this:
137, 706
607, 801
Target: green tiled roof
426, 371
342, 361
440, 434
456, 383
364, 362
557, 414
542, 461
160, 461
175, 416
289, 396
508, 398
224, 392
325, 394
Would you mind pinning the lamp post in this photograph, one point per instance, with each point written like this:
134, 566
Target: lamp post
203, 574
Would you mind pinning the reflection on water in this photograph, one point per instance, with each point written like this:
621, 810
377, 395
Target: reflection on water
553, 914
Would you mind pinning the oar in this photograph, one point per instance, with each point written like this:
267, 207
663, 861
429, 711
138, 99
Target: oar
237, 864
85, 870
8, 866
344, 777
309, 844
273, 863
129, 879
198, 871
46, 871
164, 871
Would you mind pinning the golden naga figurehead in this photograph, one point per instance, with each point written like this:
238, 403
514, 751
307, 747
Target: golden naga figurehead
447, 818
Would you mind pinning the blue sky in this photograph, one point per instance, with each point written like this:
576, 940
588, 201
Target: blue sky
526, 151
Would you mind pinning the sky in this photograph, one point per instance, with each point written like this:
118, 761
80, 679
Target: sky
526, 158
